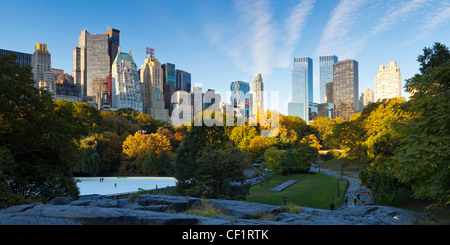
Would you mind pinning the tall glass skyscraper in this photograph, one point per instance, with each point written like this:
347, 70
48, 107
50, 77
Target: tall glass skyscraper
326, 73
302, 87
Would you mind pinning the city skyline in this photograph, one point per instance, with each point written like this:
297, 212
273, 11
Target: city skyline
222, 42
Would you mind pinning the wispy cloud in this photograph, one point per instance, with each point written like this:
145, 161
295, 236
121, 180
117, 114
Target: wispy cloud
399, 12
254, 40
336, 38
434, 20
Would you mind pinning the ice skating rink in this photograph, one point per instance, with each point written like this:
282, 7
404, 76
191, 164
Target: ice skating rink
119, 185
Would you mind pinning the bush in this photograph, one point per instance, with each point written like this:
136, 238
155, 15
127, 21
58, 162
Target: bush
331, 155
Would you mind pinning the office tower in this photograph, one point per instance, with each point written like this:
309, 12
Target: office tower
326, 73
113, 44
152, 89
388, 82
302, 88
125, 83
182, 81
345, 88
91, 62
258, 88
22, 58
329, 93
240, 97
41, 63
169, 84
326, 110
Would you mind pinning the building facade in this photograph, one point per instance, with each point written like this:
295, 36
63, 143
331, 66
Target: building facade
326, 73
240, 97
345, 88
92, 60
41, 61
182, 81
366, 98
258, 94
152, 89
113, 44
388, 82
125, 83
326, 110
169, 84
22, 58
302, 88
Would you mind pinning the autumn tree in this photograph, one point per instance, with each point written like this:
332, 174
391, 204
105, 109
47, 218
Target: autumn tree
141, 150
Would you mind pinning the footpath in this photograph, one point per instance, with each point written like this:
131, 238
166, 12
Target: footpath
354, 188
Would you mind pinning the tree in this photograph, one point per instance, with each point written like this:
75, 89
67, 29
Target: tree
90, 163
198, 138
242, 135
257, 147
144, 152
433, 57
323, 125
220, 173
422, 160
273, 159
35, 137
312, 141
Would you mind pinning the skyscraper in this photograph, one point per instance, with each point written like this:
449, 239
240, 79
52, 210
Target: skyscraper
41, 62
182, 81
326, 73
258, 88
302, 88
345, 88
152, 89
113, 44
92, 59
388, 82
125, 83
169, 84
240, 97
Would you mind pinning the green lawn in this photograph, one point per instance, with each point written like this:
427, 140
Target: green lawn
313, 190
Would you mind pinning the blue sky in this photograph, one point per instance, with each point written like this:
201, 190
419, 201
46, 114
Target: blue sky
220, 41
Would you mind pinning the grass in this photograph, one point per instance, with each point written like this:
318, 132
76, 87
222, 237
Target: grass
311, 190
204, 209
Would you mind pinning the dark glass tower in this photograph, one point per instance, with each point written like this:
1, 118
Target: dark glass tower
345, 88
113, 44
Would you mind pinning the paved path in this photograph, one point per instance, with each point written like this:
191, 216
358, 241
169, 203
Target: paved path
283, 185
354, 188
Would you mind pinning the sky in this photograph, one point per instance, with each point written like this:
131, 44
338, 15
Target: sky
220, 41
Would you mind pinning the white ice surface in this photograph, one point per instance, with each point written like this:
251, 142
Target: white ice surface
92, 185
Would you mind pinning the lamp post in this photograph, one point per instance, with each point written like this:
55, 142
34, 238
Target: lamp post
338, 187
285, 198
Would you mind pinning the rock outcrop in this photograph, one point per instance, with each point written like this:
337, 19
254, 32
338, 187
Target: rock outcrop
148, 209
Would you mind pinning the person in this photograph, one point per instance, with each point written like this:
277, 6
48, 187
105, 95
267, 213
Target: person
115, 185
358, 196
346, 199
355, 199
332, 206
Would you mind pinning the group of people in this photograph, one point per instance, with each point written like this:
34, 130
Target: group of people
356, 198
